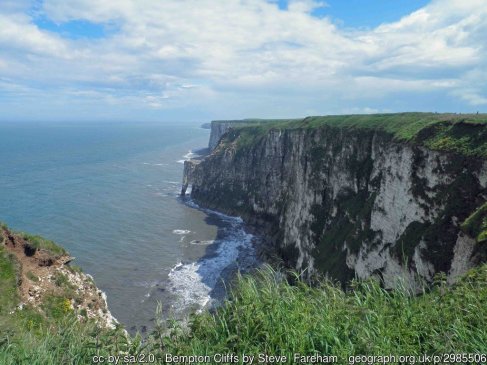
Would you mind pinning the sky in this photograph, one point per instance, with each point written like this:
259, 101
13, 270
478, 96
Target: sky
198, 60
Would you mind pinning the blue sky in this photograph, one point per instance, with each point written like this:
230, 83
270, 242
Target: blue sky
74, 29
208, 59
360, 13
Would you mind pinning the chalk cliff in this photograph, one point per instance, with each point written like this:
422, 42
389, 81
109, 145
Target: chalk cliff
217, 129
384, 195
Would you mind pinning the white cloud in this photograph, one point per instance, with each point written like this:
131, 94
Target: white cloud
198, 54
472, 96
305, 6
18, 34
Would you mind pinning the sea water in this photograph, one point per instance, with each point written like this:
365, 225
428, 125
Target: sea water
109, 193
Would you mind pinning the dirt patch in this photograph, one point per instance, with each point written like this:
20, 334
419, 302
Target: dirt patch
43, 274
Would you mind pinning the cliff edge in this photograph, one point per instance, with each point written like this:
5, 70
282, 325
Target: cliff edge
43, 281
390, 195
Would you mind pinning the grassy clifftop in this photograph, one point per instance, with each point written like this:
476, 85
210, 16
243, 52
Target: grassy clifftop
248, 121
464, 134
265, 314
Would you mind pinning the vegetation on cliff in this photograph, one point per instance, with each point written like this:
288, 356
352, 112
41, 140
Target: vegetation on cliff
264, 314
465, 134
268, 315
476, 224
50, 313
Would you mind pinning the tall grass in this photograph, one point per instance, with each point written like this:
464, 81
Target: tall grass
66, 342
265, 314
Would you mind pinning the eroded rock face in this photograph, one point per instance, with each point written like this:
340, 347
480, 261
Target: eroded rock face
43, 274
218, 129
349, 202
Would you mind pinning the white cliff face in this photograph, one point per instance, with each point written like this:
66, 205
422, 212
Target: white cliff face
348, 202
394, 208
218, 129
463, 252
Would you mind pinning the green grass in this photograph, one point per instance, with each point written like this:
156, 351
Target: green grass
465, 134
9, 272
249, 130
39, 242
75, 269
56, 307
9, 298
254, 121
30, 275
61, 280
66, 342
52, 335
267, 315
264, 314
404, 126
476, 224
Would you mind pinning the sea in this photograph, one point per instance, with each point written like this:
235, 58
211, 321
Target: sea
110, 194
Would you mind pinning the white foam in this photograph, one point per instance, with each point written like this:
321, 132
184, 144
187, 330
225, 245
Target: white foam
189, 155
154, 164
181, 231
193, 282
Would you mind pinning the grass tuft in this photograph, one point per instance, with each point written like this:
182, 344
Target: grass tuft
476, 224
39, 242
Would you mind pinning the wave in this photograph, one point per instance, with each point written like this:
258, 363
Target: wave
189, 155
154, 164
181, 231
